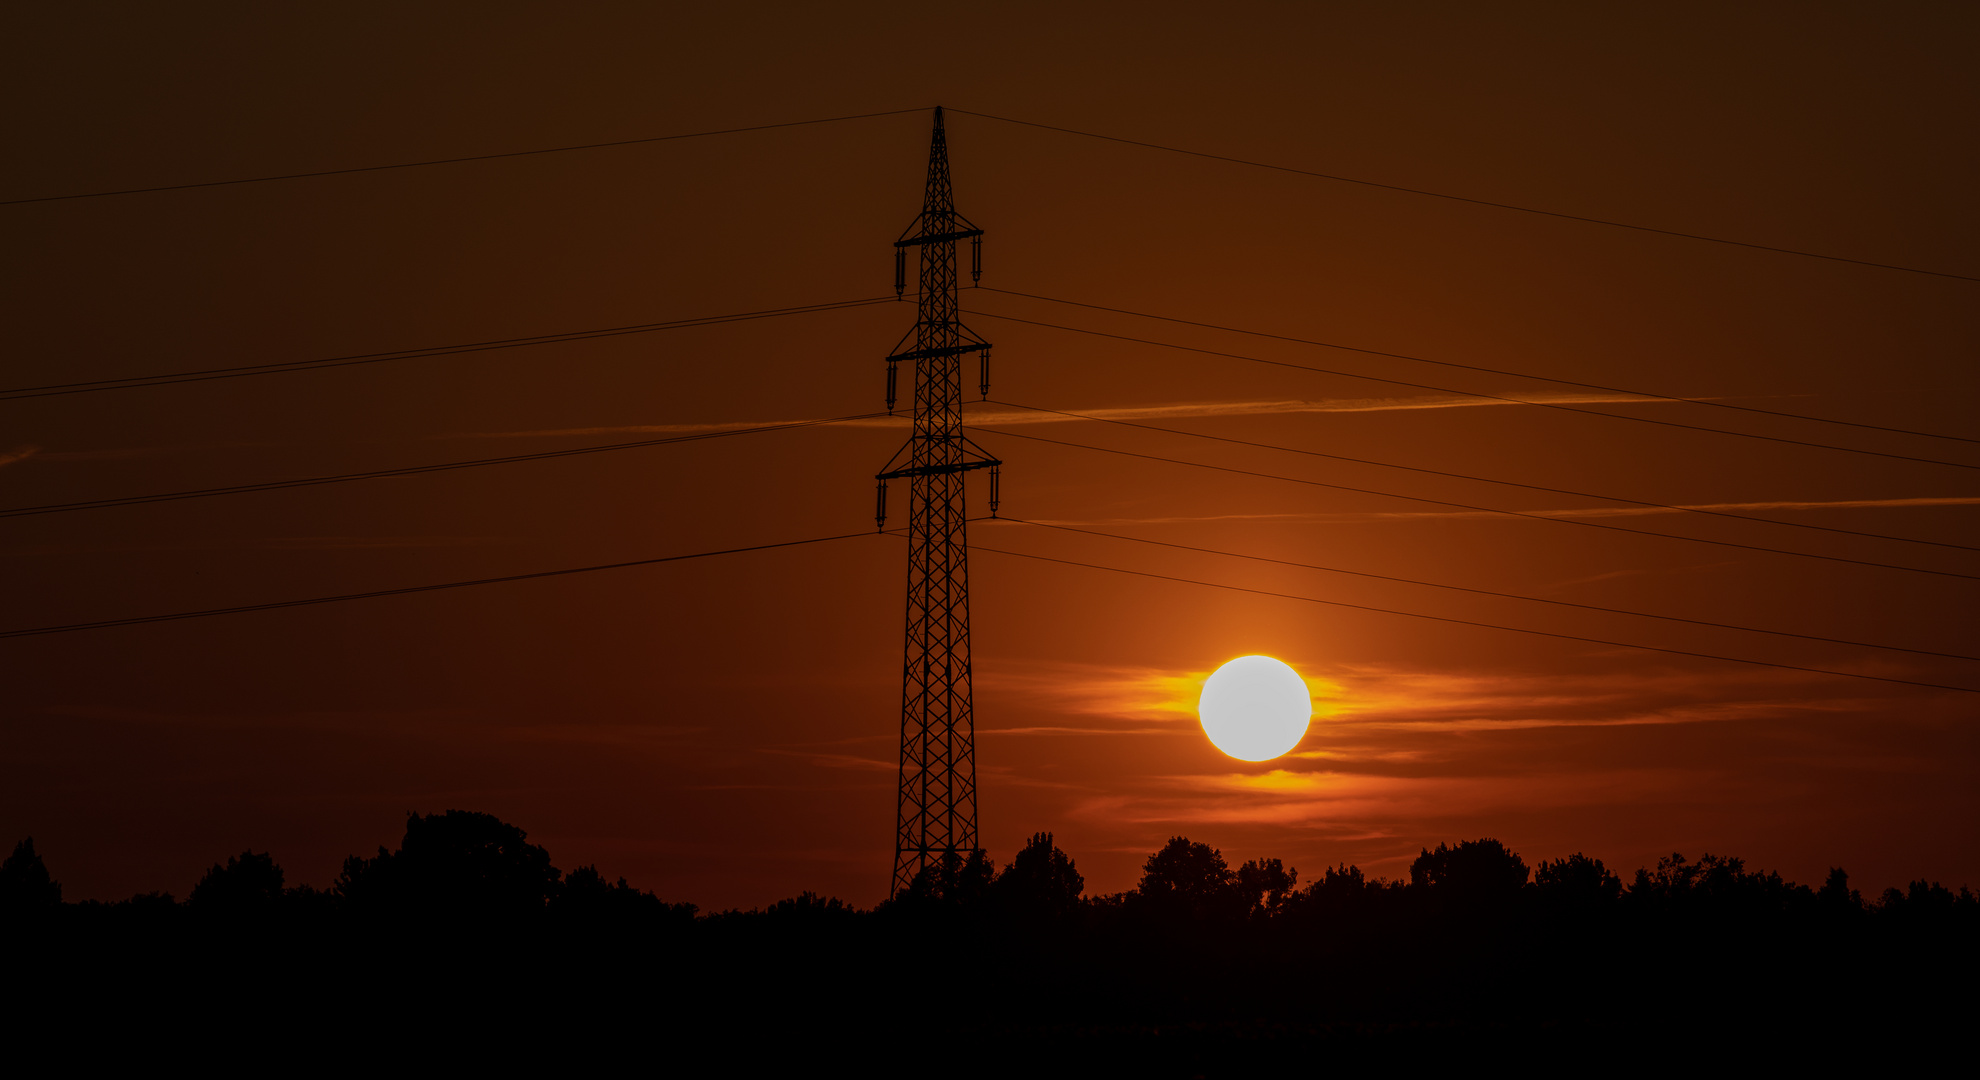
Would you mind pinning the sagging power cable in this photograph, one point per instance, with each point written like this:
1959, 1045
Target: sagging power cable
1707, 511
1472, 622
278, 604
415, 470
133, 381
1645, 394
451, 160
1469, 199
1476, 393
1477, 509
1487, 592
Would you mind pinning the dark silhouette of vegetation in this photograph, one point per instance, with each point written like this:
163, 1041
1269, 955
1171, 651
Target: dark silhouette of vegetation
248, 886
452, 866
25, 887
469, 918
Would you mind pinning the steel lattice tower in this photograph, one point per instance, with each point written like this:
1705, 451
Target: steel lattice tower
936, 811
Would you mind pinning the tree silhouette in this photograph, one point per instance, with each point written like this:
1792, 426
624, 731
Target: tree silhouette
249, 885
809, 908
25, 887
1475, 873
1266, 885
949, 885
1040, 883
1576, 882
1187, 879
1837, 897
455, 864
586, 898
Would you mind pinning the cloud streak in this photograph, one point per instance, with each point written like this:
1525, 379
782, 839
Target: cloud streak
1177, 410
1578, 512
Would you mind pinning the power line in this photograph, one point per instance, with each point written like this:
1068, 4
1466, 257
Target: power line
1486, 370
988, 116
1477, 394
1490, 592
1469, 199
1480, 509
451, 160
1472, 622
209, 374
415, 470
1481, 479
178, 615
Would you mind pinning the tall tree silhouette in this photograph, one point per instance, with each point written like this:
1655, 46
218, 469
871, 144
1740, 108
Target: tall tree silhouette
1041, 882
949, 884
25, 886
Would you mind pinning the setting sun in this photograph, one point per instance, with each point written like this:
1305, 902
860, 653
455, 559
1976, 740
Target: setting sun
1255, 708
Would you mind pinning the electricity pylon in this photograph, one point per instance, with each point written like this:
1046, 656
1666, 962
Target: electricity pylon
936, 811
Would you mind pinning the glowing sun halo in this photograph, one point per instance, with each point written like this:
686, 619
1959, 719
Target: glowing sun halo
1255, 708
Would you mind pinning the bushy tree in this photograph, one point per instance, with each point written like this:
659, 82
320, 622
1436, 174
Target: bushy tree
585, 897
1577, 882
1187, 879
810, 909
1266, 885
1928, 904
1716, 887
1475, 872
248, 885
459, 863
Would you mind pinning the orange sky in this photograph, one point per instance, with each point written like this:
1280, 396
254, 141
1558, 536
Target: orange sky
723, 731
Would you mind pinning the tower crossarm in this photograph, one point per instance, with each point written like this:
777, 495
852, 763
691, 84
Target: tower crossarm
941, 351
937, 238
939, 470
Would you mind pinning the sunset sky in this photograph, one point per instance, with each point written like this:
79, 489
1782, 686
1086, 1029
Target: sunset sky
724, 730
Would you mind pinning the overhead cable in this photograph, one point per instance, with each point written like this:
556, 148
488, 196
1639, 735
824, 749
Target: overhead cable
1476, 393
1472, 622
415, 470
1471, 507
451, 160
1469, 199
1490, 592
244, 608
1476, 367
56, 389
1480, 479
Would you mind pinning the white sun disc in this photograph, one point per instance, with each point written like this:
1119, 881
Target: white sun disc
1255, 708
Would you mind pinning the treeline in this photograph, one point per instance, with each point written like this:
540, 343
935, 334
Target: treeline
461, 865
468, 920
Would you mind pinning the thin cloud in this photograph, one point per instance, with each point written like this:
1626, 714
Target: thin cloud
267, 543
675, 429
1179, 410
1268, 408
834, 761
1582, 512
1075, 731
18, 453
